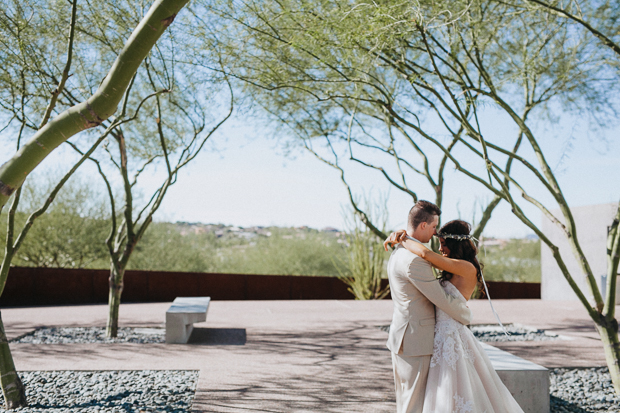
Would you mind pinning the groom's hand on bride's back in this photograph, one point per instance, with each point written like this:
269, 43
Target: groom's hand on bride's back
395, 237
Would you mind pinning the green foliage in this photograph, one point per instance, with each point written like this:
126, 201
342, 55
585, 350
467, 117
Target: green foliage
165, 248
63, 241
70, 241
518, 261
365, 265
72, 232
72, 235
285, 252
66, 240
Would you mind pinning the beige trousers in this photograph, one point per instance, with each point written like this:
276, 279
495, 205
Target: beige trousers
410, 374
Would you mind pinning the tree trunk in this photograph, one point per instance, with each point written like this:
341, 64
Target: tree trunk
114, 300
611, 344
12, 386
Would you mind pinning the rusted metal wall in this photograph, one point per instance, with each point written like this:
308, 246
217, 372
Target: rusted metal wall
28, 286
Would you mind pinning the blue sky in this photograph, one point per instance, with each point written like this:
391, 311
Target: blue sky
243, 178
251, 182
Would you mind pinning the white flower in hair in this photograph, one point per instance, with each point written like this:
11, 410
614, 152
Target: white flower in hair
458, 237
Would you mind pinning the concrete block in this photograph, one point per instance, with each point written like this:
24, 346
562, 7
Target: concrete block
528, 382
181, 316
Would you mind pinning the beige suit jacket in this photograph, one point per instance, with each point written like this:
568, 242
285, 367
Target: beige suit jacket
415, 293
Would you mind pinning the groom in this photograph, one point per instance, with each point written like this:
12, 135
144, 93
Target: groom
415, 293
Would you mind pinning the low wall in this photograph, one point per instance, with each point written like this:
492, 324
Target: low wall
29, 286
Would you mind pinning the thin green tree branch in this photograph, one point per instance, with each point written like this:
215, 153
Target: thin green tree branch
95, 109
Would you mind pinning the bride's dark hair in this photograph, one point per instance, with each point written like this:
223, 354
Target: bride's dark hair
462, 249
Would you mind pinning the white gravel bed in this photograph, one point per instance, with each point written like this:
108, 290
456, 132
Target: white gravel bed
81, 335
170, 391
582, 390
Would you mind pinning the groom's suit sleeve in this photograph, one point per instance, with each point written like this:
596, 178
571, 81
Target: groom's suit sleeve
421, 276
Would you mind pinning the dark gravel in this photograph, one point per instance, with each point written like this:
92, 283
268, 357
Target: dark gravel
573, 390
493, 333
81, 335
170, 391
580, 390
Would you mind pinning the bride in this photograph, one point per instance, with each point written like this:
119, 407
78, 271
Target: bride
461, 377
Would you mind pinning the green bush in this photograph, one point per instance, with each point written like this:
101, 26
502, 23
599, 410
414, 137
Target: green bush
364, 266
518, 261
285, 252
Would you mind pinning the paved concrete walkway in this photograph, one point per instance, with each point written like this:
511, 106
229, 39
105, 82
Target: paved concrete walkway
296, 356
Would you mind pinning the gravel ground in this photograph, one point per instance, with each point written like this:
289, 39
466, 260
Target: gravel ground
81, 335
170, 391
488, 333
492, 333
573, 390
585, 390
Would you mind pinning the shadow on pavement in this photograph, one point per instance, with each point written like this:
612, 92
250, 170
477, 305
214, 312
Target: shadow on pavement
328, 371
218, 336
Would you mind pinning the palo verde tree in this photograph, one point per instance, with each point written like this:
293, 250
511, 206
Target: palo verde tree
323, 72
599, 19
289, 59
54, 130
170, 132
460, 70
98, 107
436, 73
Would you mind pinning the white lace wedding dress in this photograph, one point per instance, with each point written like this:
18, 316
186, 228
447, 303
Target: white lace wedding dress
461, 378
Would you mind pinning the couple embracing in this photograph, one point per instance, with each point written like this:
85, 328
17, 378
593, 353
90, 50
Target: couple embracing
439, 367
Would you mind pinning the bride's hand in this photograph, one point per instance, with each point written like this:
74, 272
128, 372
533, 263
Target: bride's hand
417, 248
395, 237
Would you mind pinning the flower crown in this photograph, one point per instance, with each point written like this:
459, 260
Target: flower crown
458, 237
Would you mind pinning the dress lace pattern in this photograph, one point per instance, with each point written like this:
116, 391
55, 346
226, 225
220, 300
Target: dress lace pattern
461, 377
462, 406
450, 343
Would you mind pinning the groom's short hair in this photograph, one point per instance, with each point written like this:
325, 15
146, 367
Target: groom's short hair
422, 211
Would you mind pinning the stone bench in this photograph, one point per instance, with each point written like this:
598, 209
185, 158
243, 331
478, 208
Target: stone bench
181, 316
528, 382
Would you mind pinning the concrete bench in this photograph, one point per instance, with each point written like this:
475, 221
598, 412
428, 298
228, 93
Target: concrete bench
181, 316
528, 382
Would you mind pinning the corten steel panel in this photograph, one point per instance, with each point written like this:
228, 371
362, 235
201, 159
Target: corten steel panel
53, 286
222, 286
60, 285
136, 286
101, 286
18, 287
268, 287
509, 290
384, 283
166, 286
302, 288
339, 290
318, 288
